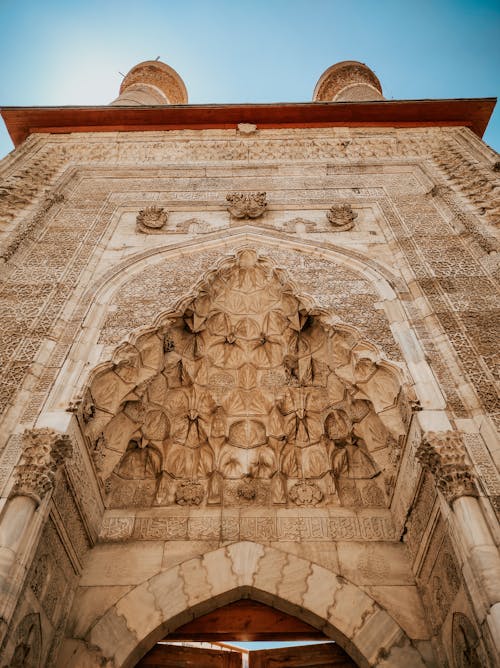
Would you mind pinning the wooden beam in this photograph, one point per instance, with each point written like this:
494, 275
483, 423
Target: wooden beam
308, 656
176, 656
246, 620
472, 113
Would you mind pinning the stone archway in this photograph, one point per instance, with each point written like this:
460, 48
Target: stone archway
210, 637
245, 395
149, 611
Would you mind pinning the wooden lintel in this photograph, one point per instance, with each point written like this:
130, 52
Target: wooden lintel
246, 620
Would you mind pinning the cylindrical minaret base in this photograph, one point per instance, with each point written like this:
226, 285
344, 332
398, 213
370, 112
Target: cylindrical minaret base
348, 81
151, 83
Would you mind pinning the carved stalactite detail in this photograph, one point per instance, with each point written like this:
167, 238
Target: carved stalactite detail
444, 455
45, 450
246, 394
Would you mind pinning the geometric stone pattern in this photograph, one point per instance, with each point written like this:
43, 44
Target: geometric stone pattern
188, 466
439, 578
245, 394
51, 580
472, 334
337, 83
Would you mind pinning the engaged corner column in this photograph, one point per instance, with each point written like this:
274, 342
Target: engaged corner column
445, 456
44, 451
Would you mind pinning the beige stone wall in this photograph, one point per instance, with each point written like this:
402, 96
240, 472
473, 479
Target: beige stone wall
414, 277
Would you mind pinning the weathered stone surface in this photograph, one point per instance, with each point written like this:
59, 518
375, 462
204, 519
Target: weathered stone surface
372, 564
113, 637
175, 552
237, 329
321, 592
246, 561
222, 576
403, 603
377, 634
89, 603
108, 564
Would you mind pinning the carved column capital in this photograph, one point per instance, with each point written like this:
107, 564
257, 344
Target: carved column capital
443, 454
44, 451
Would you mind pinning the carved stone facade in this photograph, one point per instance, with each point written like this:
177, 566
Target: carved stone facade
151, 219
444, 455
246, 205
246, 381
274, 352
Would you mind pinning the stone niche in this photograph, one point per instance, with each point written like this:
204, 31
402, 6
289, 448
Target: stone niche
246, 394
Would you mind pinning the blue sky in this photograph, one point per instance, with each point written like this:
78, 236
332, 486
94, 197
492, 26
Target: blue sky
64, 52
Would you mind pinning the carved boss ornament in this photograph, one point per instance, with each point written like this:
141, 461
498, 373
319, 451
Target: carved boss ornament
341, 217
246, 205
246, 394
151, 219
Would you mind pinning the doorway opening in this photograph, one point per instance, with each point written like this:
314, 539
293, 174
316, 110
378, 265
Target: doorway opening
246, 634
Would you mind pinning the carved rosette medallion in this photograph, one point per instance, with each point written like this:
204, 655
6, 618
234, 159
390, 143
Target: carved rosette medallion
246, 205
189, 493
341, 217
151, 219
44, 452
443, 454
305, 493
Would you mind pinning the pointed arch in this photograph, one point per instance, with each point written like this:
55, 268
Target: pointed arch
341, 610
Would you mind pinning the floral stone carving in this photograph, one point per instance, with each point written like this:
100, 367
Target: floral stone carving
189, 493
341, 217
246, 205
44, 452
305, 493
443, 454
247, 490
151, 219
241, 393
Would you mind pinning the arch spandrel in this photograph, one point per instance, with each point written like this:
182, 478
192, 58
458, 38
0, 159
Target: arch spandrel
246, 393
